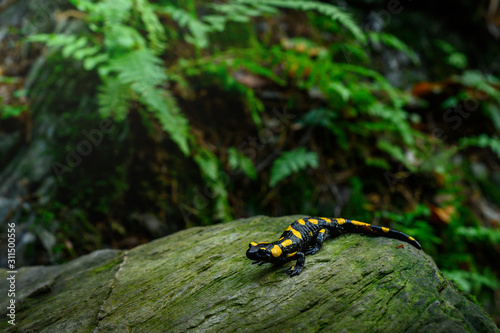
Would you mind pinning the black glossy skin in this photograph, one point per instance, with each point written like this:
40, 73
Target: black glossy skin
305, 236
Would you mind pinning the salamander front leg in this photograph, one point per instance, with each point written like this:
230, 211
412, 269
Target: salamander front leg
295, 270
321, 236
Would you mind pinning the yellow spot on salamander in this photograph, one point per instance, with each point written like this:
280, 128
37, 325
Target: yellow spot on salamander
313, 221
340, 221
411, 238
301, 221
276, 251
253, 244
322, 231
286, 243
310, 233
359, 223
295, 233
291, 254
327, 220
384, 229
281, 238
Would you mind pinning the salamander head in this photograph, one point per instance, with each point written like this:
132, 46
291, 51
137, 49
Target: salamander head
264, 252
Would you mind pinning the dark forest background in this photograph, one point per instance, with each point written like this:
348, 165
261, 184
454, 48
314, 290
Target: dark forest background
123, 121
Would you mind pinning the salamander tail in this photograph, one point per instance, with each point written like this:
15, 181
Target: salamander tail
351, 226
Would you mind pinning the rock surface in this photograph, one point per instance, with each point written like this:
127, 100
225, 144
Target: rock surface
199, 280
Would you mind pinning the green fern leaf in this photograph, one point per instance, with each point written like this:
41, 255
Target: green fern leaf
140, 68
52, 40
109, 12
394, 42
163, 105
89, 63
482, 141
156, 32
71, 48
196, 27
379, 79
334, 12
476, 79
238, 161
113, 98
291, 162
121, 38
70, 45
396, 117
208, 164
480, 234
350, 52
210, 171
396, 152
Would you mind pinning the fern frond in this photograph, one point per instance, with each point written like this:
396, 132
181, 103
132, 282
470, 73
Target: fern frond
334, 12
120, 38
77, 47
291, 162
482, 141
238, 161
198, 29
394, 42
350, 53
476, 79
84, 5
210, 171
381, 81
236, 12
89, 63
493, 112
480, 234
396, 152
255, 68
341, 90
7, 111
108, 12
113, 98
164, 107
208, 164
128, 66
140, 68
143, 72
397, 117
55, 40
154, 28
472, 281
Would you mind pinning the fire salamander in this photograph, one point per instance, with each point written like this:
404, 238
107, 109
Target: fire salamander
305, 236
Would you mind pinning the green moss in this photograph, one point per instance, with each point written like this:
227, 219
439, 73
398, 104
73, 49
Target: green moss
107, 266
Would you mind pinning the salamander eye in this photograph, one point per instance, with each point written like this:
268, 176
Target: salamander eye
262, 250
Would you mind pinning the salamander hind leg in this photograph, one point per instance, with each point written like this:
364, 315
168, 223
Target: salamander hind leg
299, 265
321, 236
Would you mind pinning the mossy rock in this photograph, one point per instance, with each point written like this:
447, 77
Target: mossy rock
199, 280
